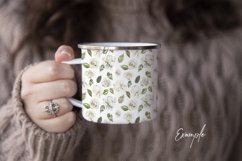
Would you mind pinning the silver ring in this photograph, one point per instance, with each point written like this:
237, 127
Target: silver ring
52, 108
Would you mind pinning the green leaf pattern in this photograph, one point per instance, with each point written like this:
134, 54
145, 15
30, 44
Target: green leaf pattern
86, 65
90, 82
102, 108
89, 52
125, 108
99, 78
105, 92
121, 99
99, 120
110, 117
121, 58
117, 79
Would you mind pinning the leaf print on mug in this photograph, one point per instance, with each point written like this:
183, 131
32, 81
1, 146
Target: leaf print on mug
125, 108
102, 108
137, 79
111, 90
137, 120
125, 67
136, 53
121, 58
150, 88
105, 51
90, 115
86, 105
128, 93
118, 72
89, 52
135, 90
86, 65
148, 115
94, 103
145, 81
121, 99
132, 63
97, 91
89, 92
128, 75
140, 67
85, 85
147, 103
110, 117
147, 99
83, 95
118, 113
89, 74
109, 101
127, 53
129, 83
148, 60
110, 75
132, 103
148, 74
99, 120
128, 117
94, 63
140, 108
83, 55
97, 53
144, 91
101, 68
106, 82
147, 64
90, 82
143, 51
99, 78
120, 85
109, 61
105, 92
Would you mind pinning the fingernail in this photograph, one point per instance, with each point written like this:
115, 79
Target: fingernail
64, 52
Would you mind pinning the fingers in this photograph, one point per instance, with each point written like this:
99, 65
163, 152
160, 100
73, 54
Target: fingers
56, 89
52, 70
50, 90
48, 71
58, 124
64, 53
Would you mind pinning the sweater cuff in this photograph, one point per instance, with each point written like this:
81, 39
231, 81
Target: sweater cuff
40, 144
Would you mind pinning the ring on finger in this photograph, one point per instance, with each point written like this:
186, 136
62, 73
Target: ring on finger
52, 108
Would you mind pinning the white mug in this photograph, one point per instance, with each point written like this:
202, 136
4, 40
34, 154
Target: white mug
119, 82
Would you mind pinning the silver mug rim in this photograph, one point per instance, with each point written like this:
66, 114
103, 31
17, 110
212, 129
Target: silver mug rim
119, 45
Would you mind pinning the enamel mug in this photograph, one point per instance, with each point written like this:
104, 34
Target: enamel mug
119, 82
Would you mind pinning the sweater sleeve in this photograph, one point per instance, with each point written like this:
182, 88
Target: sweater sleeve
21, 139
236, 152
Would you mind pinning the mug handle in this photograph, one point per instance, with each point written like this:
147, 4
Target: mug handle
73, 61
73, 101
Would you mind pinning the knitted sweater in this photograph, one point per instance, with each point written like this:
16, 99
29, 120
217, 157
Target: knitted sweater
199, 92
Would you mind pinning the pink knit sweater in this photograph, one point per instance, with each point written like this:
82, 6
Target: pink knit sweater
199, 84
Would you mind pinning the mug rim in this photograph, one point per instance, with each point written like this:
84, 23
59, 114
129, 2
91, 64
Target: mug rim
119, 45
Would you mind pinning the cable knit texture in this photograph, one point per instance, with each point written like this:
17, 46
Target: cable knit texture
198, 84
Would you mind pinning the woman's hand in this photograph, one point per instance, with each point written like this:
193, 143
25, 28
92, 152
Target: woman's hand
50, 81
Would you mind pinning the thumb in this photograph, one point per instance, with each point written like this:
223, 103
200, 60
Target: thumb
64, 53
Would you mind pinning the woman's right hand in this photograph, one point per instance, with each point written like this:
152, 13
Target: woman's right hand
50, 81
